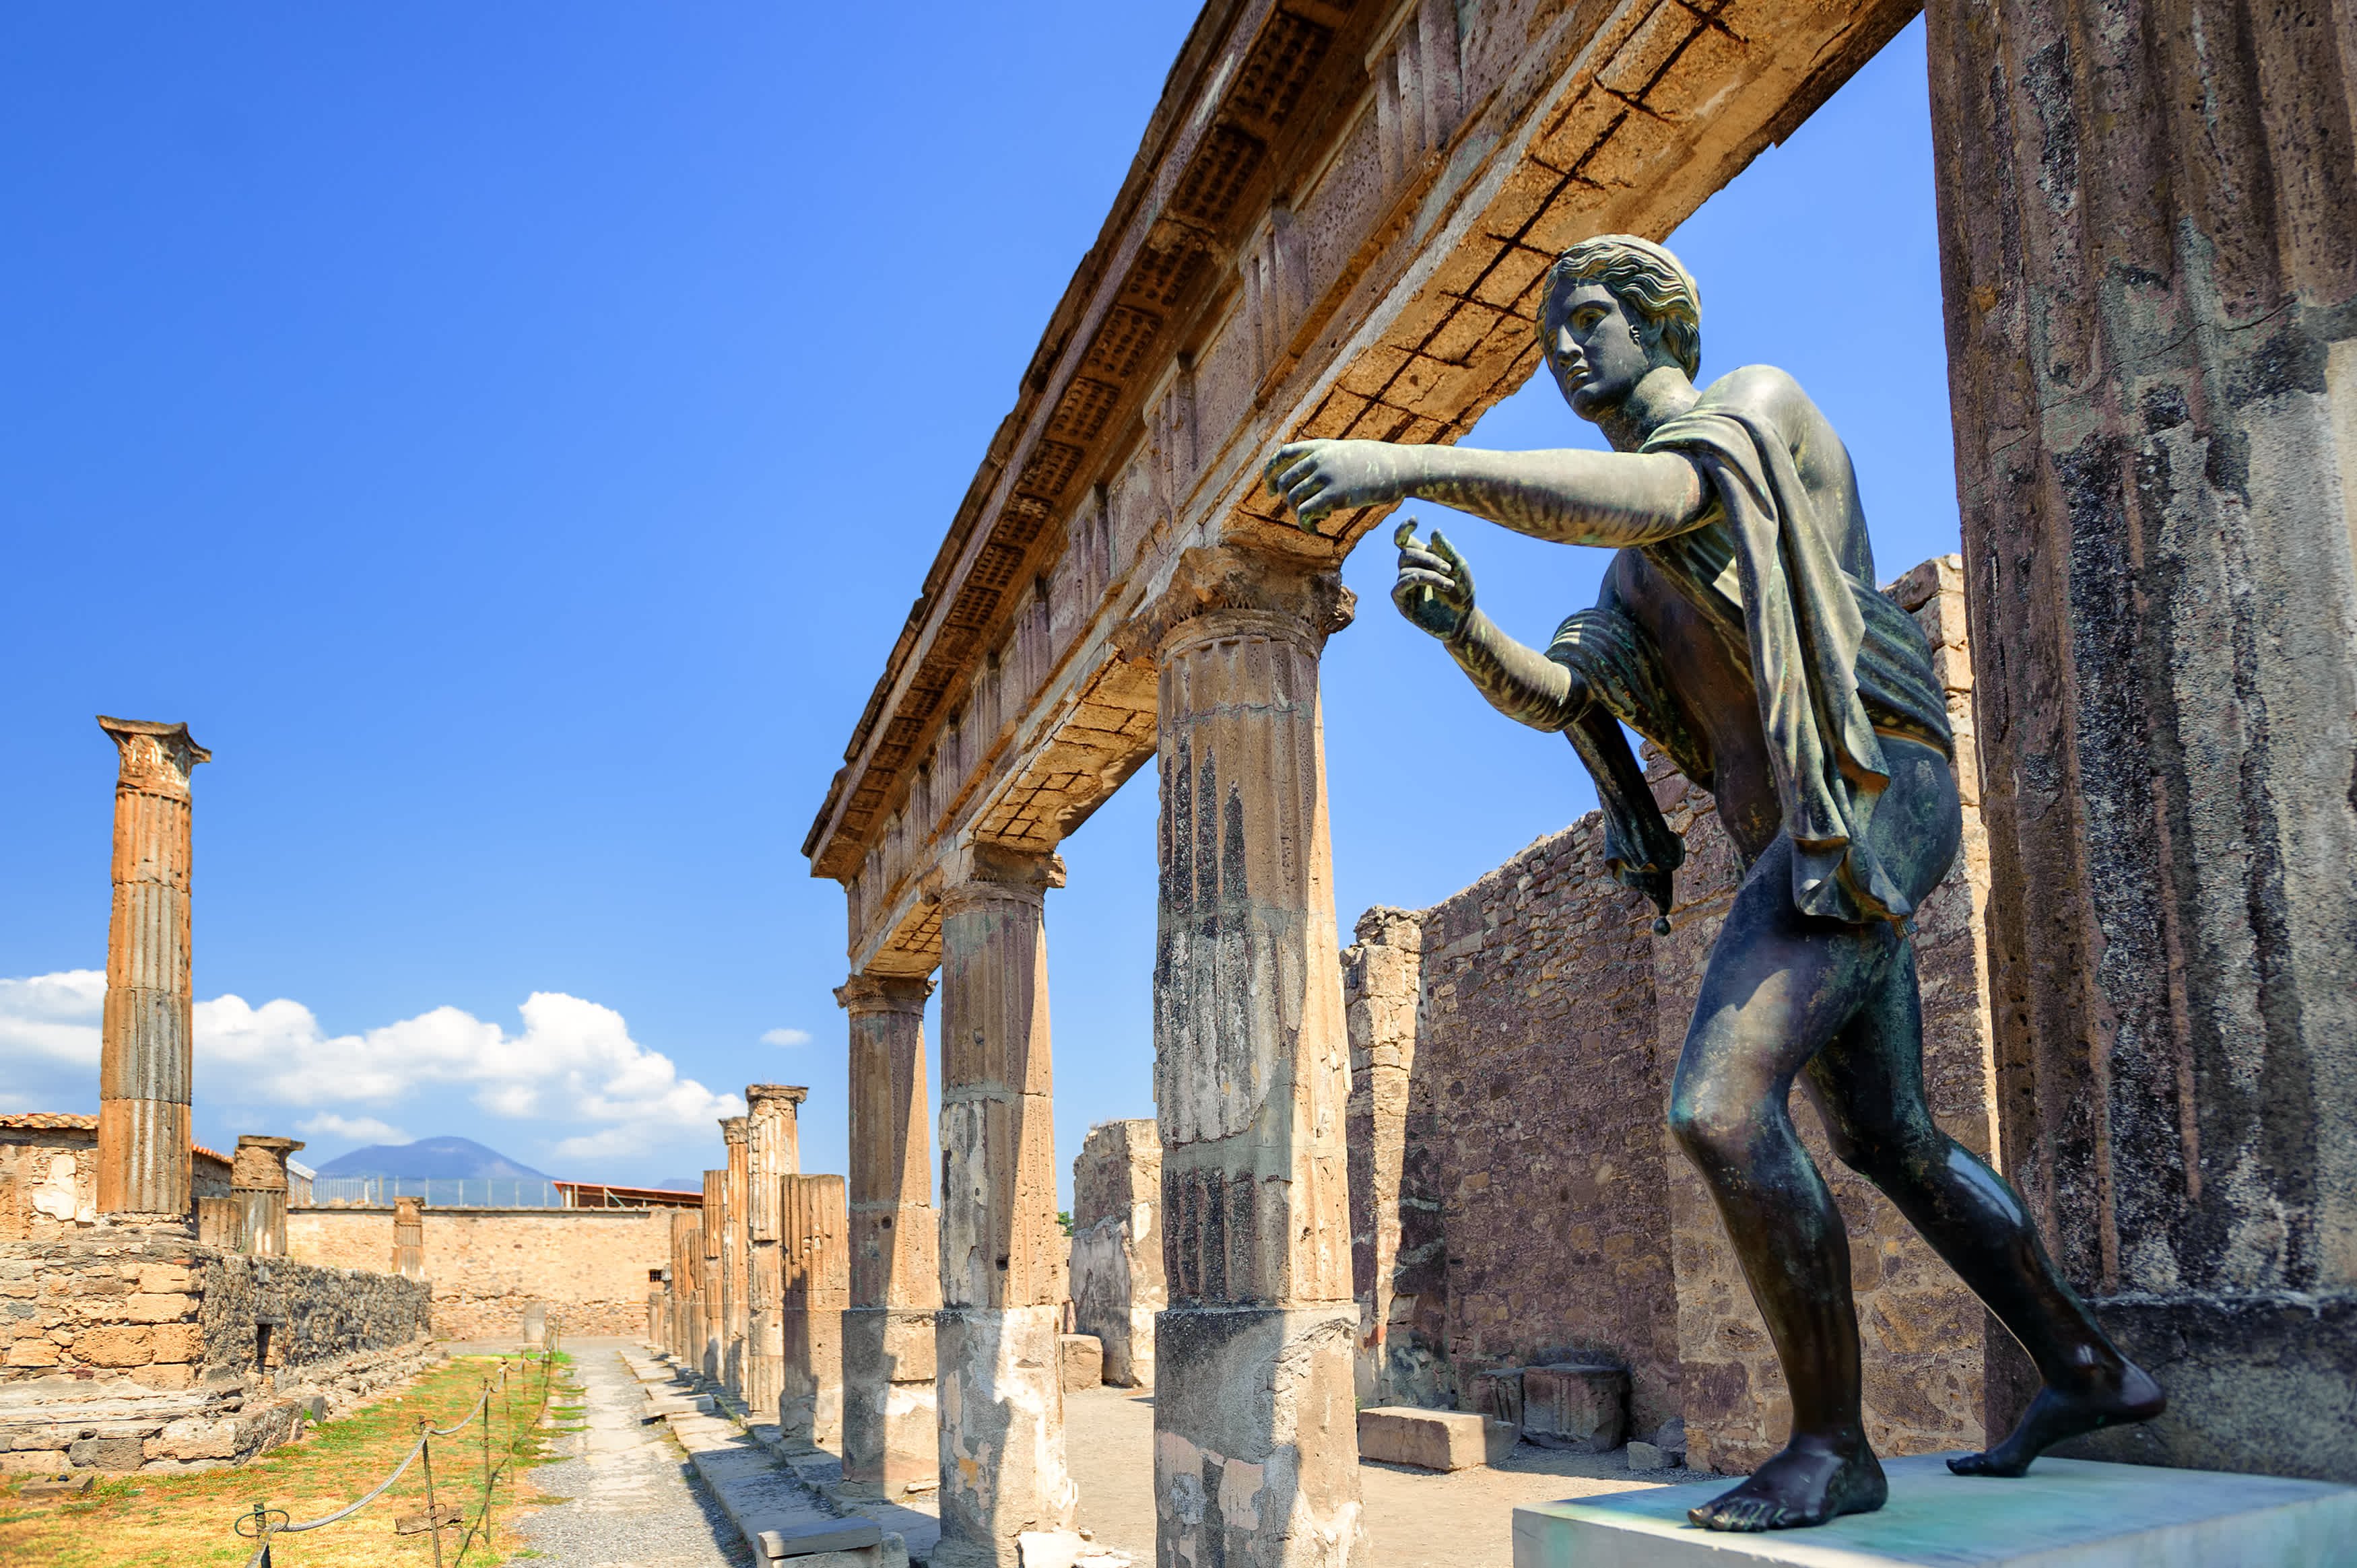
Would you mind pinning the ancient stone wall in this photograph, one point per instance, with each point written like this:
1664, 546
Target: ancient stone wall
1516, 1199
590, 1266
134, 1348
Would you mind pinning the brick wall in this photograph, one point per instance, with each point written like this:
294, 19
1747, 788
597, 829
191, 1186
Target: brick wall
1515, 1196
591, 1266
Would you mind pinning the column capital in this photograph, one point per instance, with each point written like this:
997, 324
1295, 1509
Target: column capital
156, 757
793, 1095
260, 1161
976, 871
732, 1128
1224, 587
865, 994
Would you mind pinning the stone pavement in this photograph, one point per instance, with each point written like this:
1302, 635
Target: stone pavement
631, 1501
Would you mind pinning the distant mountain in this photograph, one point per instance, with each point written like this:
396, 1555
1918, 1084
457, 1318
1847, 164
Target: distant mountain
440, 1159
679, 1184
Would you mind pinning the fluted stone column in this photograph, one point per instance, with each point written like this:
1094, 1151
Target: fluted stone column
733, 1305
257, 1176
1256, 1439
888, 1438
772, 1150
145, 1068
814, 1248
1003, 1254
686, 1243
409, 1237
712, 1357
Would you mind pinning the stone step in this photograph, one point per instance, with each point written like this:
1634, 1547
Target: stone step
782, 1517
1433, 1439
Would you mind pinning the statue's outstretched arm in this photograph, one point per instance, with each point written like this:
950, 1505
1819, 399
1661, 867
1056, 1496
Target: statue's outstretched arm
1435, 590
1570, 496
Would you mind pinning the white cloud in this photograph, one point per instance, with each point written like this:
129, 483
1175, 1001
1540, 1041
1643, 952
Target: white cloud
358, 1129
786, 1038
574, 1061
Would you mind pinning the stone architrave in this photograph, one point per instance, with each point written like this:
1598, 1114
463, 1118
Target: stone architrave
408, 1238
1253, 1382
2151, 300
772, 1150
712, 1353
735, 1325
815, 1287
889, 1443
1002, 1252
1116, 1270
145, 1068
258, 1179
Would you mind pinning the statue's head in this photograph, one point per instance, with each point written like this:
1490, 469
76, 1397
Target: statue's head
1616, 307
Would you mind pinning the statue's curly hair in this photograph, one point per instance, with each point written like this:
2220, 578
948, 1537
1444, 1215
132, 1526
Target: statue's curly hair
1645, 277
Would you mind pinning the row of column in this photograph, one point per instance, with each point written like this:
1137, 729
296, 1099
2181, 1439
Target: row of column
950, 1360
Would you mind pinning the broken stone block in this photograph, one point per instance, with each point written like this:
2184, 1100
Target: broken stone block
115, 1455
1081, 1356
1574, 1406
1643, 1455
1433, 1439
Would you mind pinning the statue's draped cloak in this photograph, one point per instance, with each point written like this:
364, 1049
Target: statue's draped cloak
1832, 661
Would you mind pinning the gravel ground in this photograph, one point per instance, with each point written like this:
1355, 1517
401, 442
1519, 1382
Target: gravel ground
632, 1498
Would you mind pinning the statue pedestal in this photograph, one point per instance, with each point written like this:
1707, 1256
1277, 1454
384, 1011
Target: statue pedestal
2066, 1513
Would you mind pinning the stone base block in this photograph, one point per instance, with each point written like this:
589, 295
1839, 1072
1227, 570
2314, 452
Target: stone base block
2066, 1513
889, 1441
809, 1397
1081, 1356
1256, 1436
1002, 1433
1583, 1408
1433, 1439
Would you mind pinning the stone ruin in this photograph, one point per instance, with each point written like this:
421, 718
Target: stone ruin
1336, 225
153, 1320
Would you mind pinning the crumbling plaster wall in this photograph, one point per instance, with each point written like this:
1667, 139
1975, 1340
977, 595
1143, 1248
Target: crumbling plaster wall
592, 1267
1515, 1195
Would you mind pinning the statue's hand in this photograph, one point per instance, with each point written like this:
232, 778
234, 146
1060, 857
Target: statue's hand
1318, 477
1436, 587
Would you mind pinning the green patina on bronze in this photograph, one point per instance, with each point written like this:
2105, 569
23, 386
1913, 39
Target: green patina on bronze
1740, 631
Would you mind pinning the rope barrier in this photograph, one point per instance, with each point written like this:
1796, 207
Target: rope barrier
265, 1523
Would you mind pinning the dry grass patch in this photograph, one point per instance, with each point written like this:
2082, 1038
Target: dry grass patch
168, 1521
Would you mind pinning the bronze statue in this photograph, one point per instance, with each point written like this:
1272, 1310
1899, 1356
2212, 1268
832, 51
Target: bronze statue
1739, 630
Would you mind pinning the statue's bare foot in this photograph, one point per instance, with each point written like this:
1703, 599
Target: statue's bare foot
2054, 1416
1810, 1482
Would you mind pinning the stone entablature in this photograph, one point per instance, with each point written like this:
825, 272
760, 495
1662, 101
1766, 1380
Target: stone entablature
1336, 226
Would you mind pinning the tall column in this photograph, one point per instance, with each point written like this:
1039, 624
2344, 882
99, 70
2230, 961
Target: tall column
1003, 1254
888, 1439
732, 1263
1255, 1435
144, 1064
816, 1279
686, 1243
772, 1150
2151, 305
257, 1176
408, 1238
712, 1355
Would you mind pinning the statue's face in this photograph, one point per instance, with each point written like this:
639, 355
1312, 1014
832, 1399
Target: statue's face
1597, 359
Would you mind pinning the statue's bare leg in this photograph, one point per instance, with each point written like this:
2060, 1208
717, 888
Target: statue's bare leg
1869, 1088
1779, 987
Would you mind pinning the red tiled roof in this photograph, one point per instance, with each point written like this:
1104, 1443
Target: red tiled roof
51, 1121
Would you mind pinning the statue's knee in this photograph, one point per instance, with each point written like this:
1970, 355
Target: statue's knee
1712, 1128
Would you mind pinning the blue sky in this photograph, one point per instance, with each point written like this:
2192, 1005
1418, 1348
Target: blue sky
511, 437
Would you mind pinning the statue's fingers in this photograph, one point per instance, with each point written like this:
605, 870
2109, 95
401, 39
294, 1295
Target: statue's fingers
1415, 555
1404, 536
1432, 580
1448, 551
1283, 457
1300, 474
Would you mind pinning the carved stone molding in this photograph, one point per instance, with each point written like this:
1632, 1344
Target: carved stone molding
864, 995
1211, 580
